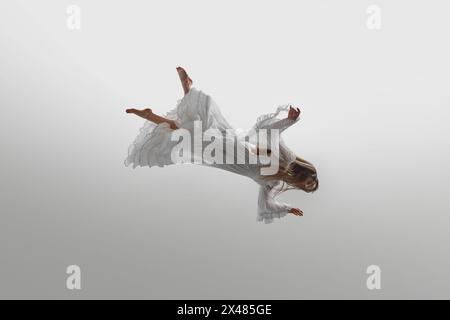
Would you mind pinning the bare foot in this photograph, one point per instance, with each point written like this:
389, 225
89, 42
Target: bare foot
296, 211
183, 75
147, 112
143, 113
186, 82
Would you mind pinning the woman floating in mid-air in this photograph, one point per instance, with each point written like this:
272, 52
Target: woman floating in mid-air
196, 111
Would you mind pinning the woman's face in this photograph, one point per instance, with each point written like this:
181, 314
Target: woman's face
309, 184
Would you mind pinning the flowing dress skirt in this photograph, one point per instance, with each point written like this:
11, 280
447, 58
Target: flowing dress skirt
153, 145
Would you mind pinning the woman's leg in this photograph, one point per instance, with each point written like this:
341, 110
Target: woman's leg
186, 82
149, 115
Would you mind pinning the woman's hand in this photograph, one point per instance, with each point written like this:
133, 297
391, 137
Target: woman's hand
296, 211
294, 113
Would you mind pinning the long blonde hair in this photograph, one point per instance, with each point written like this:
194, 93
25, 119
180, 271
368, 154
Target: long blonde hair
296, 174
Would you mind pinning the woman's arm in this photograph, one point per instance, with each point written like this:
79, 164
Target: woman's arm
283, 124
269, 208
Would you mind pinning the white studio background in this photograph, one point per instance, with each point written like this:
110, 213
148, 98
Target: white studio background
375, 112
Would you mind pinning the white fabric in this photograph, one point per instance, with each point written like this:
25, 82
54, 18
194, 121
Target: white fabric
153, 146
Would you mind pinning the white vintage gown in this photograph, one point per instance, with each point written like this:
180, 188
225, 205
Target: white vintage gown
153, 146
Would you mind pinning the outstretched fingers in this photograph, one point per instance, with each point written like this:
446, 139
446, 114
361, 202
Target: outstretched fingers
296, 212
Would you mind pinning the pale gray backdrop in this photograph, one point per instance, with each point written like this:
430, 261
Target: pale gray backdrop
375, 122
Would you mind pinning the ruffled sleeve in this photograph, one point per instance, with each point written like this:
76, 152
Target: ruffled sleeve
268, 207
271, 120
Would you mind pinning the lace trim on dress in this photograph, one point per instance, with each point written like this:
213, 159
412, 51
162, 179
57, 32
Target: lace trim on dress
148, 131
270, 216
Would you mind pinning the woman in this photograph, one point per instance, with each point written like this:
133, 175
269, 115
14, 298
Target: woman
154, 145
